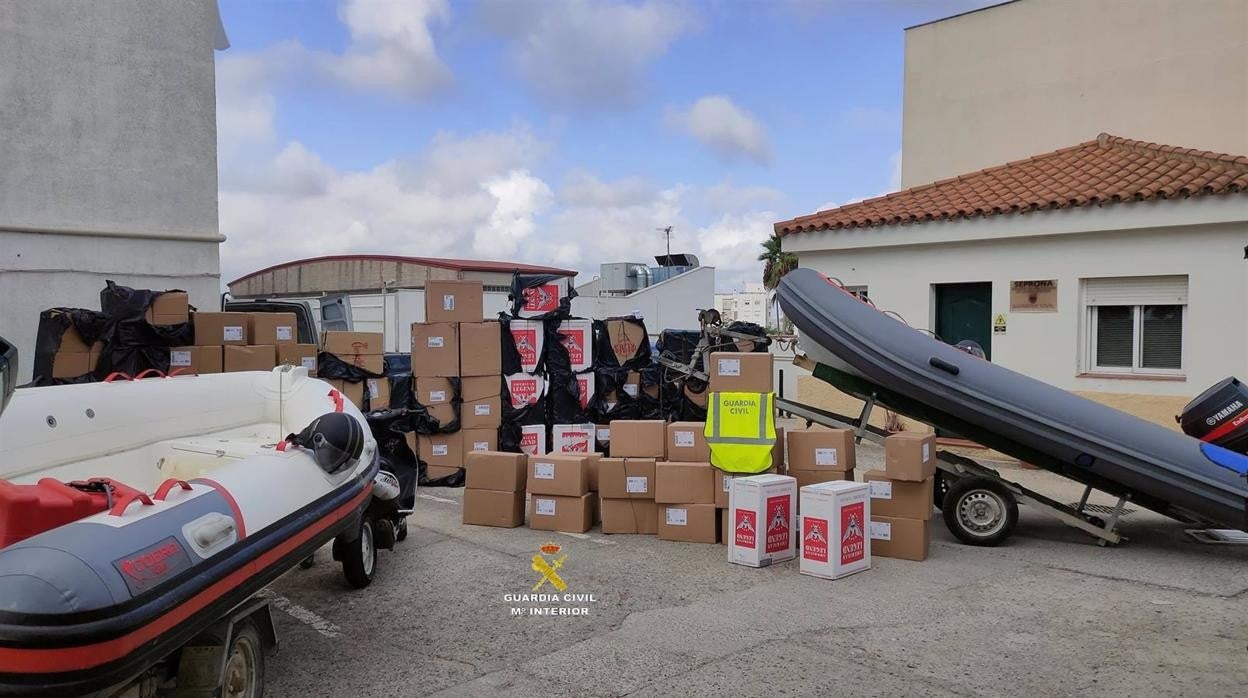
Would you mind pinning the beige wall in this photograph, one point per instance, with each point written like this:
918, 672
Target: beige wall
1032, 76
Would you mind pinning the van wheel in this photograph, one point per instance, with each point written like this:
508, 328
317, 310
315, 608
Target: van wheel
359, 557
980, 511
244, 664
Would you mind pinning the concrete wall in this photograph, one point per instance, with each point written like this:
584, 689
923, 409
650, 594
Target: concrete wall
671, 304
1032, 76
1049, 346
108, 145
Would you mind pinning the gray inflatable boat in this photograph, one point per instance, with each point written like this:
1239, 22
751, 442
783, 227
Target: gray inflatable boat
866, 352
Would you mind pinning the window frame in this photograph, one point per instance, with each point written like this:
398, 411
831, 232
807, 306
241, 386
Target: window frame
1137, 340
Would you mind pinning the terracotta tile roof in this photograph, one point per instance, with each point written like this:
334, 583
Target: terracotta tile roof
1104, 171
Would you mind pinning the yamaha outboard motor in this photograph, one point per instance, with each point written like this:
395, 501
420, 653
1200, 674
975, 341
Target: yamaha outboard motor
1219, 416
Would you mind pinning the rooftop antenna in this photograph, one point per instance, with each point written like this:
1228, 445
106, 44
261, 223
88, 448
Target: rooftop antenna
667, 234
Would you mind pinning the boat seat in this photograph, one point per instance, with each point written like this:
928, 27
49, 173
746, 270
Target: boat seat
28, 510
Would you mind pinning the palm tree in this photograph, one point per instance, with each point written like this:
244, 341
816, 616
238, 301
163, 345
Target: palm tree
776, 263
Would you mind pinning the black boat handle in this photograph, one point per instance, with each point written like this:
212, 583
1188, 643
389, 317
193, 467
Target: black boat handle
943, 365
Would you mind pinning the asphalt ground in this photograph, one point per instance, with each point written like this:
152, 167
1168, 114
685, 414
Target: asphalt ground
1047, 613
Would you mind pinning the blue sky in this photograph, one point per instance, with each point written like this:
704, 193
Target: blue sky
559, 132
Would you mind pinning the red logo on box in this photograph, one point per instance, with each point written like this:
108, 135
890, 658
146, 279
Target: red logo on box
526, 345
814, 539
541, 299
574, 340
778, 523
528, 442
853, 543
745, 527
575, 442
523, 391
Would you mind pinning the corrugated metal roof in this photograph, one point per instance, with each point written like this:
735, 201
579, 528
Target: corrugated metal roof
439, 262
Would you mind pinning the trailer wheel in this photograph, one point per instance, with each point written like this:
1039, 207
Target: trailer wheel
400, 533
980, 511
359, 557
244, 663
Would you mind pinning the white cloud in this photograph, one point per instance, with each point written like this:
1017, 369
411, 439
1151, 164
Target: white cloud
519, 197
734, 242
392, 47
586, 54
730, 198
584, 189
727, 129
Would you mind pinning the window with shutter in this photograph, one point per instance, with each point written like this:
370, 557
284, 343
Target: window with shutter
1135, 324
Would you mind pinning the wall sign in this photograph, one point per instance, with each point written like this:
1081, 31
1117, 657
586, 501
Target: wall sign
1033, 296
998, 324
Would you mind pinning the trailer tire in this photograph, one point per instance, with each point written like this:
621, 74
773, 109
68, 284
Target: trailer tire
980, 511
359, 556
243, 676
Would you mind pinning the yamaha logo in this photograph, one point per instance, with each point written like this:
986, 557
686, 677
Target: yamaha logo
1224, 413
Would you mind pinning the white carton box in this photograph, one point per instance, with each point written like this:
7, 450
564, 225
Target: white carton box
544, 299
585, 383
834, 521
578, 338
763, 517
573, 438
533, 439
525, 389
529, 338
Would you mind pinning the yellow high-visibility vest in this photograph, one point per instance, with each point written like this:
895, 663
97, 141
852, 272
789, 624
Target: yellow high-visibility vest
741, 431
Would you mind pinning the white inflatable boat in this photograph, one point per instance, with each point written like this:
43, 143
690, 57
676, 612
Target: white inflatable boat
132, 513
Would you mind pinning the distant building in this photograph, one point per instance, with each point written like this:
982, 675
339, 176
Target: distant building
667, 295
749, 305
108, 135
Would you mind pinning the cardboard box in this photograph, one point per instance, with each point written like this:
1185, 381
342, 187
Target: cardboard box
452, 300
814, 477
725, 529
904, 539
559, 474
524, 389
763, 515
820, 448
577, 337
272, 328
626, 339
261, 357
529, 338
540, 300
595, 459
435, 349
71, 341
645, 438
443, 449
480, 349
480, 440
298, 355
435, 394
71, 364
345, 344
493, 508
195, 360
378, 392
723, 484
437, 472
626, 478
834, 521
353, 392
560, 513
740, 372
482, 406
495, 470
169, 308
220, 329
684, 483
572, 438
900, 498
686, 443
629, 516
533, 439
603, 433
691, 523
910, 455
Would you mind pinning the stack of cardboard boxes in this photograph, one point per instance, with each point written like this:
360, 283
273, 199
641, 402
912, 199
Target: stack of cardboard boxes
364, 350
229, 342
495, 485
456, 357
559, 496
627, 480
745, 372
820, 454
74, 357
684, 489
902, 496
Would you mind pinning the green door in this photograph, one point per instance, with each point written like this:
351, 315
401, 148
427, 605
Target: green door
964, 311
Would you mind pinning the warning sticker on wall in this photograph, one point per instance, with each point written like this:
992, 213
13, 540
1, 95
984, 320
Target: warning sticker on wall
998, 324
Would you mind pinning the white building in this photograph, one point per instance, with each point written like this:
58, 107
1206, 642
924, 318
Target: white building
109, 142
664, 297
753, 304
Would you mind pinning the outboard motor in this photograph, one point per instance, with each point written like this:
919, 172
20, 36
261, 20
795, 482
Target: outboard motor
1219, 416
